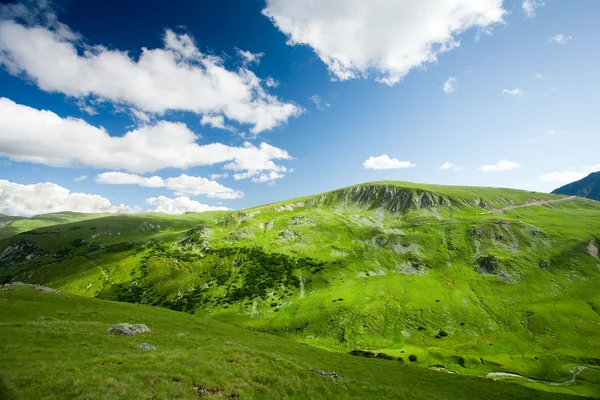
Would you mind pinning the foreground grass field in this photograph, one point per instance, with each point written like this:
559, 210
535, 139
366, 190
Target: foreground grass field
54, 346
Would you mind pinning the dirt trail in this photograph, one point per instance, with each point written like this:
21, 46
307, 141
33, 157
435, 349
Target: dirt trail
533, 203
575, 373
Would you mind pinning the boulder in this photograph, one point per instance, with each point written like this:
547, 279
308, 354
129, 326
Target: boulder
128, 329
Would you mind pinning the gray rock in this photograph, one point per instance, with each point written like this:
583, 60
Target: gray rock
146, 346
128, 329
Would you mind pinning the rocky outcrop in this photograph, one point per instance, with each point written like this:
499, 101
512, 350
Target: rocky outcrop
386, 197
125, 329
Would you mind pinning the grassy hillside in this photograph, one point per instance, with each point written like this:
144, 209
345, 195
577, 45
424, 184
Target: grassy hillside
477, 280
10, 226
194, 357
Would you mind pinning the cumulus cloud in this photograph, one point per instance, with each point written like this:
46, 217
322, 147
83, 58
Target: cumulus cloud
249, 57
39, 136
449, 166
530, 6
81, 178
179, 205
181, 185
42, 198
513, 92
215, 177
500, 166
389, 38
270, 82
450, 85
559, 38
385, 162
319, 103
177, 76
216, 121
570, 175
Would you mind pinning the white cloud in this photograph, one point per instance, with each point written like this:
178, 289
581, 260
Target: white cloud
448, 166
140, 116
389, 38
179, 205
552, 132
270, 82
218, 176
513, 92
450, 85
269, 177
249, 57
559, 38
319, 103
529, 7
81, 178
570, 175
262, 177
385, 162
181, 185
538, 75
28, 134
175, 77
42, 198
500, 166
216, 121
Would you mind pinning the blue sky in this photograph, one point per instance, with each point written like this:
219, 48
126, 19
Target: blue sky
489, 93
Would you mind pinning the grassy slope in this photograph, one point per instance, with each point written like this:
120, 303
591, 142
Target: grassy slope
215, 355
10, 226
403, 277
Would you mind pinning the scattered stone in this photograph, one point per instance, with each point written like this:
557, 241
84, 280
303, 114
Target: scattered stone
325, 373
204, 391
289, 207
288, 235
300, 220
125, 329
146, 346
181, 334
592, 249
42, 318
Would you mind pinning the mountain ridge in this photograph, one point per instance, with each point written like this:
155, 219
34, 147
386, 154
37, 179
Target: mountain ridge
588, 187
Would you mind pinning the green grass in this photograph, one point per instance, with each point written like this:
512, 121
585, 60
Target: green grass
68, 355
515, 291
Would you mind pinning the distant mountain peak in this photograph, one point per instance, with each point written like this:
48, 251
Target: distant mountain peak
587, 187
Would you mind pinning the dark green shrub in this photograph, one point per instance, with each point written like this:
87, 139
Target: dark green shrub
384, 356
412, 358
461, 362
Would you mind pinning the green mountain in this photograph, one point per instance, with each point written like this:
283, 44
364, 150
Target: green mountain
587, 187
476, 281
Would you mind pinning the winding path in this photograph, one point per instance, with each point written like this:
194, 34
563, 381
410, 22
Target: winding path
533, 203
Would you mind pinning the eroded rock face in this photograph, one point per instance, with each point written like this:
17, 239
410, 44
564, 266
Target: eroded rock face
488, 265
23, 250
125, 329
389, 198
